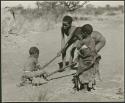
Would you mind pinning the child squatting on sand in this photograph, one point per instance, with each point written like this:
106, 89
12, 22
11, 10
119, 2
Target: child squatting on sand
32, 68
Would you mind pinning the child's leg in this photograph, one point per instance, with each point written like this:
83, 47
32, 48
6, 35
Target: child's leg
81, 86
94, 85
85, 86
97, 69
98, 73
24, 81
64, 59
72, 51
90, 84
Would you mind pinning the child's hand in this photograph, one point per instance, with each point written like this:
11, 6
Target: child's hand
59, 54
76, 60
78, 44
38, 67
63, 50
45, 75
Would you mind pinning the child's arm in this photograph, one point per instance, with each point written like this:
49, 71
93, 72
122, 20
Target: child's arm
39, 67
76, 60
62, 38
35, 74
69, 39
79, 44
100, 44
100, 40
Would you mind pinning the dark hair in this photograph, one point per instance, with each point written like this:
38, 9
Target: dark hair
33, 50
68, 19
87, 28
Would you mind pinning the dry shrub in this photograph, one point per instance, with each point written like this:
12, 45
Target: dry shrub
111, 13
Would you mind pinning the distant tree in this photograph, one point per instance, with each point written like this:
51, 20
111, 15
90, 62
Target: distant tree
90, 6
57, 8
71, 6
108, 7
121, 8
38, 4
90, 9
99, 11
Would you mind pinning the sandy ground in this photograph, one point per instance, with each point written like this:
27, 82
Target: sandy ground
15, 51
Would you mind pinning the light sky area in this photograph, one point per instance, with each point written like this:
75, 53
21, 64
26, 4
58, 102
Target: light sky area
32, 3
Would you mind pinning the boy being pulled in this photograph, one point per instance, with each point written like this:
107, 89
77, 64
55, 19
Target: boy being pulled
32, 68
86, 58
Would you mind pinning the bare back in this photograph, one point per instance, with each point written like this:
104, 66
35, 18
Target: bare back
99, 40
30, 64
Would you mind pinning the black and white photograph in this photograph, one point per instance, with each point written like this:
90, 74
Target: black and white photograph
62, 51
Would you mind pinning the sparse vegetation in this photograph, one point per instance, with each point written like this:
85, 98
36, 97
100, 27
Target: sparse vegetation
52, 12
